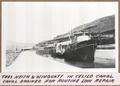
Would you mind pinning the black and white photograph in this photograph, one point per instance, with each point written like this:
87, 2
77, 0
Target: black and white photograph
59, 36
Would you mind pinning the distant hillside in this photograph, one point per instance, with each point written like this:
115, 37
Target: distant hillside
102, 25
12, 45
105, 25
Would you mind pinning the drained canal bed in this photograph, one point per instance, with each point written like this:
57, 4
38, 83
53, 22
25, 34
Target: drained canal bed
103, 59
30, 61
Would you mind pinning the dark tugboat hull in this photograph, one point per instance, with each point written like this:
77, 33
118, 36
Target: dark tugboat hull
78, 52
85, 53
82, 51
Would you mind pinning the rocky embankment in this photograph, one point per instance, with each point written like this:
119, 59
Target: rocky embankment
13, 50
11, 55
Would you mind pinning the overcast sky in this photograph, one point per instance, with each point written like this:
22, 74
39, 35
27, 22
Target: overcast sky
32, 22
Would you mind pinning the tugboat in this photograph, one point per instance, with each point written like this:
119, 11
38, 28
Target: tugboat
75, 48
78, 48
